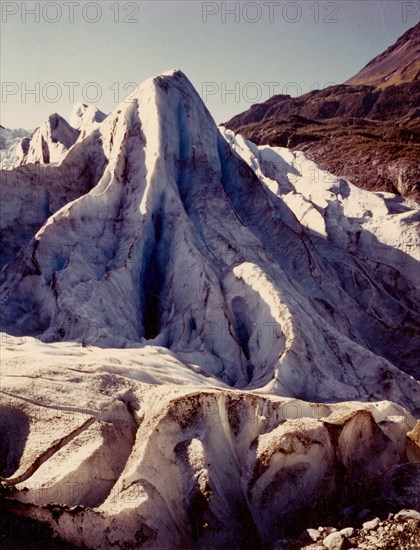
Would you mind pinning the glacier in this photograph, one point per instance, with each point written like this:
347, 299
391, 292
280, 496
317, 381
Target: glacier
223, 335
10, 141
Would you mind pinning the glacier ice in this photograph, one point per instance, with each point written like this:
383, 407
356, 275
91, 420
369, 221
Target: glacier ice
168, 291
10, 139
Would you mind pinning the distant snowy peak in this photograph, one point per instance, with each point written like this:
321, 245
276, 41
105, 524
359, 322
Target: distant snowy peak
7, 135
86, 118
9, 141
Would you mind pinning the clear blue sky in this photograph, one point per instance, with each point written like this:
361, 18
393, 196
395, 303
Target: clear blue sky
306, 43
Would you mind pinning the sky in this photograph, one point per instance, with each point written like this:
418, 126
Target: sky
54, 54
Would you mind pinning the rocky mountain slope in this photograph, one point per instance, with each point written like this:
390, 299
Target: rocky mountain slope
366, 130
399, 64
226, 335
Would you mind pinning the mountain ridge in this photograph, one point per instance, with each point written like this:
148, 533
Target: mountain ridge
397, 64
367, 134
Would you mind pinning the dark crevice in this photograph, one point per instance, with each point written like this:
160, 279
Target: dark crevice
14, 430
243, 331
242, 325
23, 533
154, 277
45, 151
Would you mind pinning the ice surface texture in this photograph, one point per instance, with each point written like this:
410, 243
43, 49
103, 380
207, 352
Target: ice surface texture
196, 299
